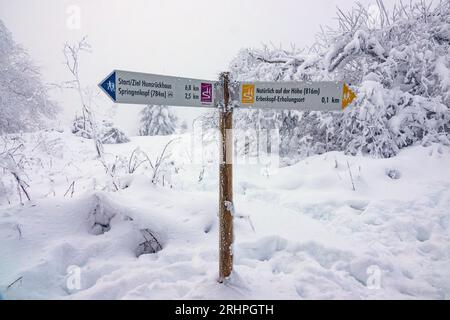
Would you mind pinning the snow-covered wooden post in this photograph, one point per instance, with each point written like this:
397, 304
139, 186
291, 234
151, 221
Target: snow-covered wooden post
226, 184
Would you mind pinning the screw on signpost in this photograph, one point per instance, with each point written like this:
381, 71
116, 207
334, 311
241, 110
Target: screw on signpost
226, 184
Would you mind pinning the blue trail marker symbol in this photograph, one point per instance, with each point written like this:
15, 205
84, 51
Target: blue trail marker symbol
109, 85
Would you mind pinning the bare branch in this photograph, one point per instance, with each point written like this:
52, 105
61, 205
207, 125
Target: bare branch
14, 282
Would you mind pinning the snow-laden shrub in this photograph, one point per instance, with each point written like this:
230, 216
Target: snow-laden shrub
82, 127
386, 120
157, 120
13, 160
398, 63
99, 218
149, 244
112, 135
109, 134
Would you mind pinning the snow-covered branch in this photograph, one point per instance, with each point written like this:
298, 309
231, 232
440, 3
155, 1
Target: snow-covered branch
71, 54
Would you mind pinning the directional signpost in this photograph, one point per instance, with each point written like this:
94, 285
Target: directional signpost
144, 88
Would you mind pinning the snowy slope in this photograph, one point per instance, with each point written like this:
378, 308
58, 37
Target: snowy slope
300, 233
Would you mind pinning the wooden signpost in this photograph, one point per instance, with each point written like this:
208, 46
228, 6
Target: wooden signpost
226, 184
143, 88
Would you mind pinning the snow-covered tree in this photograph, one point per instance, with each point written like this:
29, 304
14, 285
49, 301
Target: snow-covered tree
24, 101
157, 120
398, 62
183, 126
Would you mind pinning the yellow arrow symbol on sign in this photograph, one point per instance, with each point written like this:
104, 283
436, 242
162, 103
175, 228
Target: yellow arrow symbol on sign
347, 96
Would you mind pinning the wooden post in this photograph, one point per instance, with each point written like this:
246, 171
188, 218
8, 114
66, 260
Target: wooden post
226, 185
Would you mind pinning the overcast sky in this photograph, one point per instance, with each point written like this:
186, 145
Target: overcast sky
175, 37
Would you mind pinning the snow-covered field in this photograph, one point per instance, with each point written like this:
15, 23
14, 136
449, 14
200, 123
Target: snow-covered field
301, 232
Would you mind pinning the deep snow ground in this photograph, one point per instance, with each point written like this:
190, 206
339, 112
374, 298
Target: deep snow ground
301, 232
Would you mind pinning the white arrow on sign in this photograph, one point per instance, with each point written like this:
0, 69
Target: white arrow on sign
144, 88
318, 96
